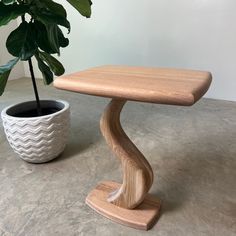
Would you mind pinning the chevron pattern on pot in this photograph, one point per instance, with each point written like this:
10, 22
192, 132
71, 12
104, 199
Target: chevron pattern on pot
40, 139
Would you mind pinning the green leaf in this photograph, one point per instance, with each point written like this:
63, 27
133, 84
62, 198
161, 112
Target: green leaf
10, 12
63, 41
7, 2
46, 72
9, 65
53, 39
3, 81
45, 40
21, 42
54, 7
82, 6
48, 17
5, 71
53, 63
42, 39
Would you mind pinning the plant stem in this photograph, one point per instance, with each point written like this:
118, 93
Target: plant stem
39, 109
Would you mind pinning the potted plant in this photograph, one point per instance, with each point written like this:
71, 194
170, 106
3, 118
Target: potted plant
37, 130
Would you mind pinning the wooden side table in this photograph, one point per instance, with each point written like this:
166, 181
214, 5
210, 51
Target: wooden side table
129, 203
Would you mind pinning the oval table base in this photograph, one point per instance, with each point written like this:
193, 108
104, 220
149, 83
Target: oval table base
142, 217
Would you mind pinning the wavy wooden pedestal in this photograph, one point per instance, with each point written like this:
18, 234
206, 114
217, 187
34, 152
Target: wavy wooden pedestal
114, 200
129, 203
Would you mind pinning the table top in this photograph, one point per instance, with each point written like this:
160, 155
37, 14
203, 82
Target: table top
155, 85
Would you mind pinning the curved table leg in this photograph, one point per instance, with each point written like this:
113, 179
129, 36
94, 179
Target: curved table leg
137, 173
113, 200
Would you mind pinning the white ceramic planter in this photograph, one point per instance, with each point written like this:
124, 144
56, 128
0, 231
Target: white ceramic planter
37, 139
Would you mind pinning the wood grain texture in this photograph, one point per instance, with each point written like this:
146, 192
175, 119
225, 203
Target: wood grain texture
155, 85
137, 173
143, 217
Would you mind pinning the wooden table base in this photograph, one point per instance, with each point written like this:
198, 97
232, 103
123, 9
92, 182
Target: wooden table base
142, 217
128, 203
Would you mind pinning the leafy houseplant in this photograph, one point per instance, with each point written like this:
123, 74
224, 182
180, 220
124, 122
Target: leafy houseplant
39, 35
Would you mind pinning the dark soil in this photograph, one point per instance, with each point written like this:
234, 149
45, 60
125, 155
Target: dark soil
34, 112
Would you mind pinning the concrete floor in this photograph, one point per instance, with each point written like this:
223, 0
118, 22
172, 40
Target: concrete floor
192, 151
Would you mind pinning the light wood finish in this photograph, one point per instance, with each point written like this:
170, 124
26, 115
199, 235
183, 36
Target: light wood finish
143, 217
156, 85
137, 173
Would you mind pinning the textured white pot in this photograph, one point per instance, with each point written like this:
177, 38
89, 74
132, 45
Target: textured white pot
37, 139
